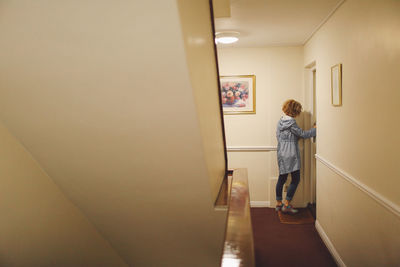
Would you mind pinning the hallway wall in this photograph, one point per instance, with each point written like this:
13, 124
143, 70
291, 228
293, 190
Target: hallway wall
358, 200
100, 93
272, 67
200, 55
39, 226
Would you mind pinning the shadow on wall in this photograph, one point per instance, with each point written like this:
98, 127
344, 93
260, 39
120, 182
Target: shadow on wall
305, 122
306, 118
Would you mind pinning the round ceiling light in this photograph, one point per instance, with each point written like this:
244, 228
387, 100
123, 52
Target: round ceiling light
227, 37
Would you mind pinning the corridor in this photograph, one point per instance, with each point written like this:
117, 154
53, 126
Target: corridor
120, 120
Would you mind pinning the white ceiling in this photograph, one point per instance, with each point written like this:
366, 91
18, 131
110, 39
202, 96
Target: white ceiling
275, 22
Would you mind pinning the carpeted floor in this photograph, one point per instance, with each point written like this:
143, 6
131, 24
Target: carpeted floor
286, 245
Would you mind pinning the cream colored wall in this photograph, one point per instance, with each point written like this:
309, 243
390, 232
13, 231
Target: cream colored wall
100, 94
361, 137
279, 76
204, 80
39, 226
361, 230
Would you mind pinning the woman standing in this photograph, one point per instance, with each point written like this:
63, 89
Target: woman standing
288, 134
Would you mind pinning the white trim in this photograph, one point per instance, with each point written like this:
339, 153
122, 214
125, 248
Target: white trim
259, 204
329, 244
323, 21
311, 65
386, 203
251, 148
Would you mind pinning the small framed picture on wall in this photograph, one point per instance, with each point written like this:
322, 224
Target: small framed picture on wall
336, 85
238, 94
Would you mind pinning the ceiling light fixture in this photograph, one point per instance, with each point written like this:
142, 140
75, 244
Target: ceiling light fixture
227, 37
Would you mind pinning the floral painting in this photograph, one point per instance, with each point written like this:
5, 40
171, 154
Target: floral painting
238, 94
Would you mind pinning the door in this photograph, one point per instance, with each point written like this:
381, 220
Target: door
313, 142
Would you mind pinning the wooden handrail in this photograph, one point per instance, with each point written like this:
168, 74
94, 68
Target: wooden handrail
238, 245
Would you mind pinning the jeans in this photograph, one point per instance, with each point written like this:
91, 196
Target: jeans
292, 187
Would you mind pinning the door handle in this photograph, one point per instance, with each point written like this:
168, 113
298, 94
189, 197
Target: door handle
313, 140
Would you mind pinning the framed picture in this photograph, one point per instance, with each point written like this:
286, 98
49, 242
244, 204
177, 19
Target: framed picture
336, 85
238, 94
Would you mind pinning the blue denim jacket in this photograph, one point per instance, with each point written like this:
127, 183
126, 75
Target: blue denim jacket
288, 134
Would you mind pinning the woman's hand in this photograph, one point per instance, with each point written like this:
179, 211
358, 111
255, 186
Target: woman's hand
315, 125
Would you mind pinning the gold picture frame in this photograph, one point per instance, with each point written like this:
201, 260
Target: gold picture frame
336, 85
238, 94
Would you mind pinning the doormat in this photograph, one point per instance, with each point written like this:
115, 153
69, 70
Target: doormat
304, 216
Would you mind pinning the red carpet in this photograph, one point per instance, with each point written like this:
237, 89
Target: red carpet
286, 245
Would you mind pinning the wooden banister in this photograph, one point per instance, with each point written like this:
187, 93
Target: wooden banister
238, 245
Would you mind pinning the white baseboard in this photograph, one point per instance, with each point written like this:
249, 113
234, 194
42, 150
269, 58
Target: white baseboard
329, 244
259, 204
300, 205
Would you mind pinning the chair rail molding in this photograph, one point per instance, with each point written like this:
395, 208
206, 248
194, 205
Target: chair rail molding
383, 201
251, 148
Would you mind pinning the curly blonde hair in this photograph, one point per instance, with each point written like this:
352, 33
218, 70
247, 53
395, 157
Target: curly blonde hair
292, 108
